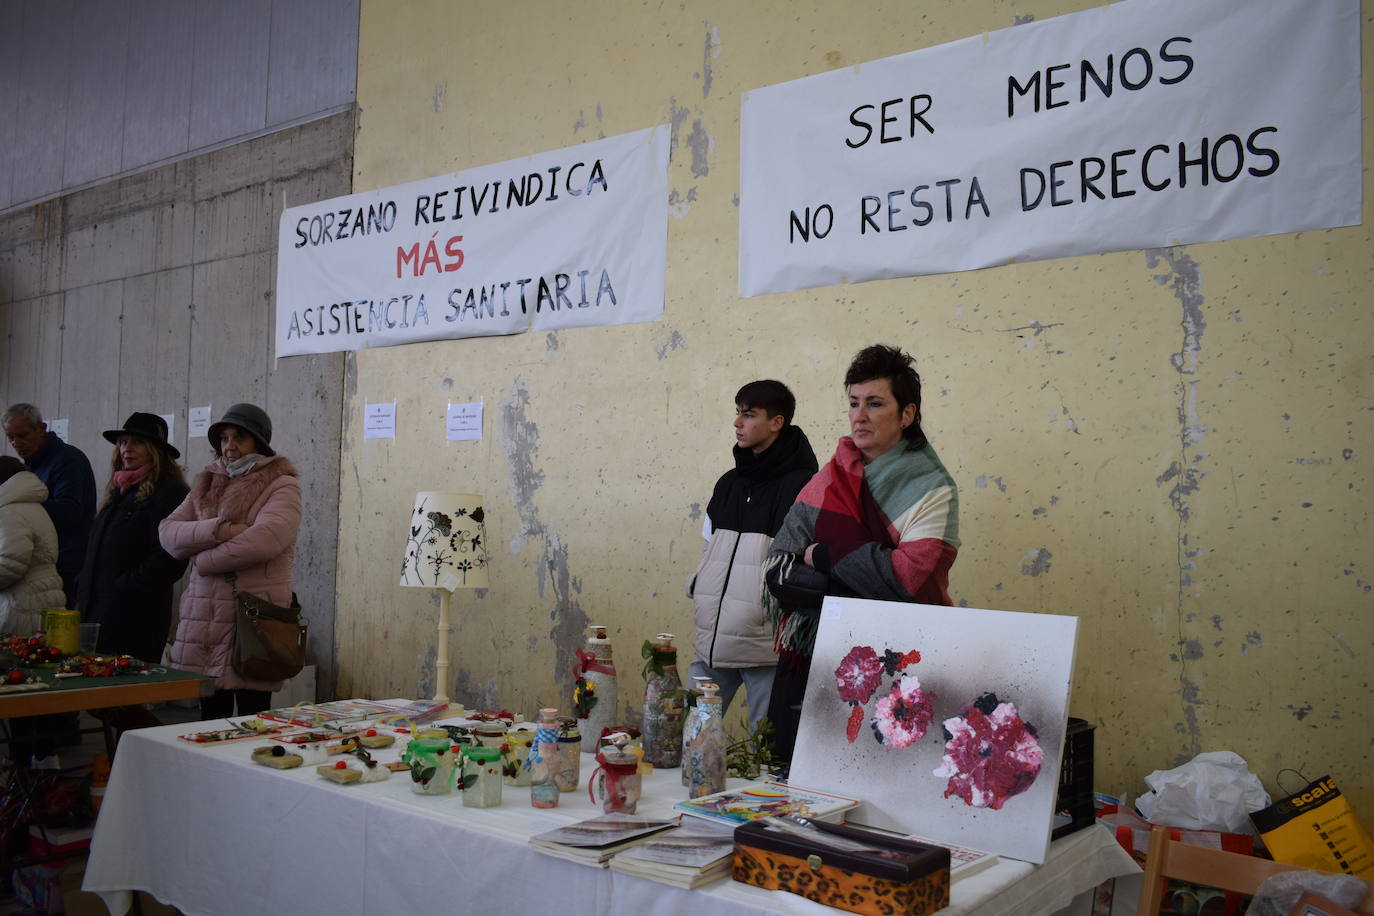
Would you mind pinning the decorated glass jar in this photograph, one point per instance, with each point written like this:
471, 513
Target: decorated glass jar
519, 743
568, 774
543, 760
663, 704
615, 784
490, 734
433, 765
481, 777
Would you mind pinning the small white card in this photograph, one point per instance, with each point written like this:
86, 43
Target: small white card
198, 422
171, 420
379, 421
463, 422
58, 428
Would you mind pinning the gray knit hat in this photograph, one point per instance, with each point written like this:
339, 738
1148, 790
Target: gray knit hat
248, 417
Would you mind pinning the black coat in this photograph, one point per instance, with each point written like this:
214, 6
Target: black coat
126, 581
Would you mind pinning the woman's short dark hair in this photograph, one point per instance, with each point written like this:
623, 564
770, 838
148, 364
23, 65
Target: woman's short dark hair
891, 363
769, 395
9, 466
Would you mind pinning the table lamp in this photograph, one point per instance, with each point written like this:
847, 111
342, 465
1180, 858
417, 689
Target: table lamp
445, 549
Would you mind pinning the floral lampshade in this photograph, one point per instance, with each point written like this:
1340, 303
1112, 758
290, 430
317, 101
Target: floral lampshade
446, 542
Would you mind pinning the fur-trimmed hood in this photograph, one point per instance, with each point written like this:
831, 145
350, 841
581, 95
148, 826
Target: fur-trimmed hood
217, 495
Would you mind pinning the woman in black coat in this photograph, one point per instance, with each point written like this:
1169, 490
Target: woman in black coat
126, 582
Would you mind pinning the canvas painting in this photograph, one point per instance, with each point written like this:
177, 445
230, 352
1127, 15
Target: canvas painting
946, 722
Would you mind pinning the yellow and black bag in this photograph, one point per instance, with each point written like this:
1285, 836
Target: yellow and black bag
1316, 828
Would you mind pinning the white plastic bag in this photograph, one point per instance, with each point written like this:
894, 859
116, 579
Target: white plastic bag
1213, 791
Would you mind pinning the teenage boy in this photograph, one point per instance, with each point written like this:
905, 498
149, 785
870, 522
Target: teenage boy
773, 461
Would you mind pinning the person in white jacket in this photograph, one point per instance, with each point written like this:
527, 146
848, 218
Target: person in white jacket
29, 581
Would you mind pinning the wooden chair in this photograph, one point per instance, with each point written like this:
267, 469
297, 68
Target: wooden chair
1229, 871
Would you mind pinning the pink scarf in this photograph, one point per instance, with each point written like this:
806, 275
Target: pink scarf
126, 480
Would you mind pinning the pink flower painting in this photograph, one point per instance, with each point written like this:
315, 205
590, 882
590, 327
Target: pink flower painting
991, 754
858, 675
901, 717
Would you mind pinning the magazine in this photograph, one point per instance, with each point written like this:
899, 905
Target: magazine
238, 732
416, 711
699, 852
963, 862
594, 840
327, 714
766, 799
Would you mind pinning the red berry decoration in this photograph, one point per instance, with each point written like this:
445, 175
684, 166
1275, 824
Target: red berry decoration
372, 733
341, 765
124, 661
15, 676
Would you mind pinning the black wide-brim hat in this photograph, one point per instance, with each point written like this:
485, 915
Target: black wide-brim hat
249, 417
146, 426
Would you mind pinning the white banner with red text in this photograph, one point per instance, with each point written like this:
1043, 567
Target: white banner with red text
565, 239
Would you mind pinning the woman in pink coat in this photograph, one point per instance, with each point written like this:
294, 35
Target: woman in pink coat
238, 523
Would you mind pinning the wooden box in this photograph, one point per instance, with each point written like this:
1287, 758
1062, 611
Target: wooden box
907, 878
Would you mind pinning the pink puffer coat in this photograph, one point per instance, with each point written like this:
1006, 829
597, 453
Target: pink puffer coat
268, 500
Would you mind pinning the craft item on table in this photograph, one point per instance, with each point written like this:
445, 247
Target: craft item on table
519, 742
457, 734
844, 867
704, 759
445, 550
340, 772
490, 734
595, 699
433, 765
362, 764
663, 703
595, 840
623, 737
101, 666
31, 650
307, 737
277, 757
495, 715
23, 684
693, 855
313, 752
368, 738
481, 779
568, 773
615, 784
766, 799
249, 728
886, 676
543, 760
692, 720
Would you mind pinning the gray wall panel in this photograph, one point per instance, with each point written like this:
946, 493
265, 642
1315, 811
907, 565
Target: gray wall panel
157, 115
314, 57
229, 86
11, 40
89, 389
95, 107
42, 117
153, 360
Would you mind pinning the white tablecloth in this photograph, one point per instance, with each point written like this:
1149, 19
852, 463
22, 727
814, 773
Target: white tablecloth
206, 830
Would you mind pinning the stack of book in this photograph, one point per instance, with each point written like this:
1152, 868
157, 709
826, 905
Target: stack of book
766, 799
595, 840
694, 854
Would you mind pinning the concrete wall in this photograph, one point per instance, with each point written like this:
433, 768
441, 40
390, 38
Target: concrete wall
1172, 445
92, 89
156, 293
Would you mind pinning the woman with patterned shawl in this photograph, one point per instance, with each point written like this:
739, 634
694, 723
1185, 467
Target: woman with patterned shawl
880, 520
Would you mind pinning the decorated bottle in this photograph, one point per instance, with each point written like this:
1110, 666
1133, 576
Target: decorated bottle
663, 705
481, 778
594, 687
543, 760
704, 758
692, 722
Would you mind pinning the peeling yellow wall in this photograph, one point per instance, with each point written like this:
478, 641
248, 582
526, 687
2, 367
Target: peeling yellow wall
1171, 445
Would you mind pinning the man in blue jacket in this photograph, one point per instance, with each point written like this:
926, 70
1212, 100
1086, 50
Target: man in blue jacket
773, 461
71, 486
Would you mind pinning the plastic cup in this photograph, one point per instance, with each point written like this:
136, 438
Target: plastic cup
88, 634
